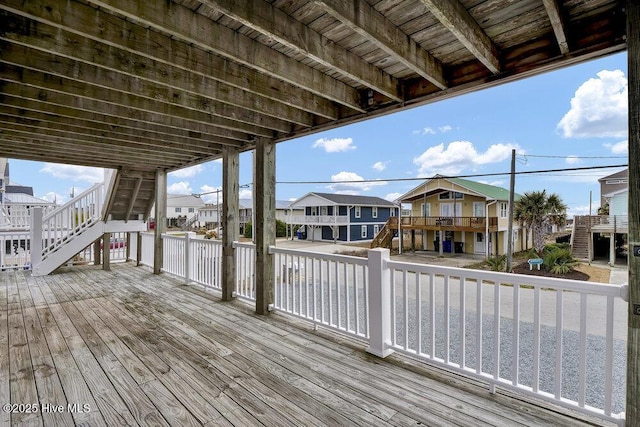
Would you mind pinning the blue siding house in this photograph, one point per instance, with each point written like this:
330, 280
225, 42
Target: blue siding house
340, 217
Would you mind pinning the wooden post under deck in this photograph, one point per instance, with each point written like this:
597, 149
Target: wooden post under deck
106, 251
633, 336
161, 220
97, 258
265, 221
230, 214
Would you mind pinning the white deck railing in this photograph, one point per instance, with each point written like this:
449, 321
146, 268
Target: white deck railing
17, 216
328, 290
70, 219
15, 250
562, 341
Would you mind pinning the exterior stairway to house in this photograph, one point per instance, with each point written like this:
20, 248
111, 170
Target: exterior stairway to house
580, 237
384, 238
120, 204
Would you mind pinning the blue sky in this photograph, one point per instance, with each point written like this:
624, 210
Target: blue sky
577, 115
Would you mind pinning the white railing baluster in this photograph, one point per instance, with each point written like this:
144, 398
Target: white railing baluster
558, 359
462, 319
447, 314
496, 333
582, 359
608, 361
535, 382
479, 326
432, 317
405, 308
418, 337
515, 350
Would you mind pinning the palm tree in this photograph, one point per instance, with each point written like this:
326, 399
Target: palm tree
535, 210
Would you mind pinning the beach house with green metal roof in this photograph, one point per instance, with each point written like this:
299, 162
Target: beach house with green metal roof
454, 215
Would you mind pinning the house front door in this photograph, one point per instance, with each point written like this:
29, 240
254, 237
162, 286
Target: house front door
479, 247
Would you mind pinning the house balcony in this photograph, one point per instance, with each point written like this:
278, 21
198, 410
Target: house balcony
609, 223
318, 219
131, 347
444, 223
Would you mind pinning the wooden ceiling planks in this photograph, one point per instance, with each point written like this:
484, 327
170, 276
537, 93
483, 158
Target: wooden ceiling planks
167, 84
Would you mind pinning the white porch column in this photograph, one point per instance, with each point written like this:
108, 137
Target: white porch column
379, 303
230, 219
264, 193
161, 220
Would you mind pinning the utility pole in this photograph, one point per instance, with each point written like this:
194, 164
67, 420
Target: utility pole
512, 185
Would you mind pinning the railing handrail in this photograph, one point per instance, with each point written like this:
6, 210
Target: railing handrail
322, 255
73, 201
593, 288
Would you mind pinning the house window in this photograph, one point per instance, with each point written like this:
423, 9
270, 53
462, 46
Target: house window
178, 210
376, 229
374, 212
363, 231
503, 210
450, 195
314, 211
358, 212
191, 210
425, 209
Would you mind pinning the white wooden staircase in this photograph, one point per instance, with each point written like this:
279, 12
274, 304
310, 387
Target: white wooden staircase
64, 232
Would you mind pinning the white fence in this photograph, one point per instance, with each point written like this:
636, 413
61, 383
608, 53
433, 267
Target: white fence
328, 290
557, 340
15, 250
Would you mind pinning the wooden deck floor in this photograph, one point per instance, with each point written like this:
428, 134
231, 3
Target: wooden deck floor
129, 348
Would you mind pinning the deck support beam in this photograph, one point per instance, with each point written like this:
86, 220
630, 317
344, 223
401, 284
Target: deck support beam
161, 220
106, 252
633, 337
264, 193
230, 213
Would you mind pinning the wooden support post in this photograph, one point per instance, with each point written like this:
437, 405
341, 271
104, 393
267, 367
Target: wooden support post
138, 249
127, 248
633, 336
413, 241
265, 221
106, 252
230, 218
441, 237
97, 252
161, 220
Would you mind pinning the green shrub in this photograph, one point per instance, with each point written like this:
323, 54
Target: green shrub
557, 258
281, 228
497, 263
247, 230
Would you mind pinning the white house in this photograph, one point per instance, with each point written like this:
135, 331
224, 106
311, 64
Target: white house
208, 215
183, 209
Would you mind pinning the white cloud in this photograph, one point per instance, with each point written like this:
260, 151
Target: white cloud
598, 108
621, 147
211, 197
74, 173
571, 159
246, 193
55, 197
380, 166
459, 156
335, 145
352, 187
181, 187
432, 131
392, 196
189, 172
582, 210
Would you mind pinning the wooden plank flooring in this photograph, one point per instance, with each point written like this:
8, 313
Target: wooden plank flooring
129, 348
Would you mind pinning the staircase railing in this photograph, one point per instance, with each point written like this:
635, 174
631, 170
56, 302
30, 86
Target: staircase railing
71, 218
385, 236
189, 222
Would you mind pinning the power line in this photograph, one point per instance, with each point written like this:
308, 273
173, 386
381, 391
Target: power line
574, 157
454, 176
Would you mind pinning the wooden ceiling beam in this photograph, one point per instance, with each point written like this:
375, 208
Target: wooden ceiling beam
111, 147
453, 15
72, 108
54, 150
139, 51
72, 73
191, 28
369, 23
55, 51
282, 28
9, 116
113, 101
557, 22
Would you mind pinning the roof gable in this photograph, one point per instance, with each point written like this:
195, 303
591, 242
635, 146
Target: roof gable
331, 199
490, 192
